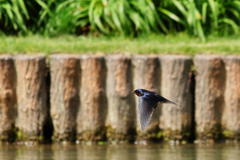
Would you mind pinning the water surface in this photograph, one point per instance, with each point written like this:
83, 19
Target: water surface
121, 152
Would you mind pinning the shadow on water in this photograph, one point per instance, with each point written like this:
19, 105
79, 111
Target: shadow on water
121, 152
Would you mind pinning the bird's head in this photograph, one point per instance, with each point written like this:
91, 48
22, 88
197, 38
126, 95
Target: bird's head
138, 92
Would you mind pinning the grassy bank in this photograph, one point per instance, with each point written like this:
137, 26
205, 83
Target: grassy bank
154, 44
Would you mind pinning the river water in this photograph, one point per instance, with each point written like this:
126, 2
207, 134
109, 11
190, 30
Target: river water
121, 152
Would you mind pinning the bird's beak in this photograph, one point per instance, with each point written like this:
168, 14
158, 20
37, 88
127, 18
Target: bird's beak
135, 92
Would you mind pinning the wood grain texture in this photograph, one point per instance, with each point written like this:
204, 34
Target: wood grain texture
146, 75
121, 103
175, 120
210, 87
65, 100
231, 112
8, 108
93, 111
31, 95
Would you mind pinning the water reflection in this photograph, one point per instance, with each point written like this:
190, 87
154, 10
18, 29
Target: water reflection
121, 152
230, 154
178, 152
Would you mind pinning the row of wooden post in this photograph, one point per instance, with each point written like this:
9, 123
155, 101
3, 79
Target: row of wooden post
91, 97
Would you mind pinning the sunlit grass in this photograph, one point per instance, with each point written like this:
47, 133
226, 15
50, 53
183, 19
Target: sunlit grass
152, 44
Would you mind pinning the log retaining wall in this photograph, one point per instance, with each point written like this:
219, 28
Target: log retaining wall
64, 99
31, 96
93, 101
121, 115
146, 75
175, 121
91, 97
231, 111
8, 101
210, 88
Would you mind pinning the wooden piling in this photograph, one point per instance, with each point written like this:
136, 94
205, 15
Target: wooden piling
210, 86
31, 96
91, 96
231, 111
146, 75
175, 121
93, 111
7, 98
65, 100
121, 103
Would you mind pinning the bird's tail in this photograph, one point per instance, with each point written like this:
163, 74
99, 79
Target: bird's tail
164, 100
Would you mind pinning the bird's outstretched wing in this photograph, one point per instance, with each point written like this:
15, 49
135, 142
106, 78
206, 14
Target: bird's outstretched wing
145, 112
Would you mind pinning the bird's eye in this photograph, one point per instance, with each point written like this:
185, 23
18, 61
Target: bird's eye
137, 92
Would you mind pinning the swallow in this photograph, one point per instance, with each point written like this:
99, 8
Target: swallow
147, 103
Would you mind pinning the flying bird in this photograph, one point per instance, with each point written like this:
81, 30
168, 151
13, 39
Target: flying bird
147, 103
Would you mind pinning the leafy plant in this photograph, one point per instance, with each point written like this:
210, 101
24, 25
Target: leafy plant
224, 13
12, 14
108, 16
206, 16
121, 17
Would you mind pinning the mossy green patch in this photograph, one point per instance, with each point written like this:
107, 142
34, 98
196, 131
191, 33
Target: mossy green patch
193, 68
166, 139
183, 134
154, 134
40, 138
229, 134
226, 133
19, 135
52, 137
215, 132
184, 142
128, 137
159, 135
102, 142
91, 135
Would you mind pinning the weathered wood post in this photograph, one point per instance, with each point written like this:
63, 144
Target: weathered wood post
31, 96
231, 112
7, 98
210, 86
146, 75
175, 121
121, 103
65, 100
93, 104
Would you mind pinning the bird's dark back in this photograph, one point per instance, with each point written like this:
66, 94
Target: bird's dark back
150, 98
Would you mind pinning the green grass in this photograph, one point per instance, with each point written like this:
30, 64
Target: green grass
153, 44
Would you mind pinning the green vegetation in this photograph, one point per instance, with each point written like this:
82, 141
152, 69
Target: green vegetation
102, 142
19, 135
112, 26
184, 142
159, 135
153, 44
130, 18
219, 17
